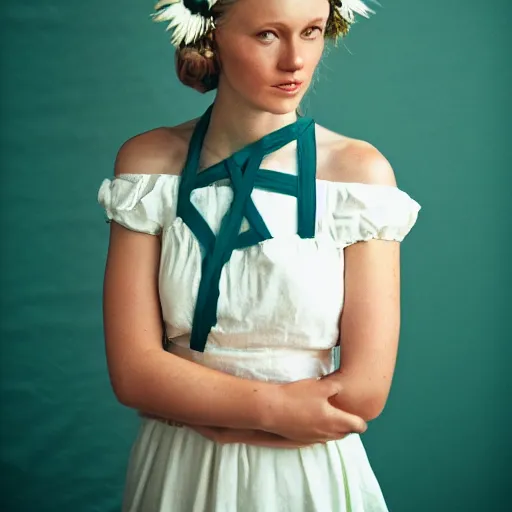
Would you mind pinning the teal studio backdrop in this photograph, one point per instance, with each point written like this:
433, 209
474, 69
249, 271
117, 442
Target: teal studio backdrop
428, 83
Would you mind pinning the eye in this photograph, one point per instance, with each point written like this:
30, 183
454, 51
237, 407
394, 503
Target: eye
311, 32
267, 36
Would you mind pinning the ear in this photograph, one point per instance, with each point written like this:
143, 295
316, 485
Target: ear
215, 49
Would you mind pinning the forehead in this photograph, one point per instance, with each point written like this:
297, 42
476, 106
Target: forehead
285, 12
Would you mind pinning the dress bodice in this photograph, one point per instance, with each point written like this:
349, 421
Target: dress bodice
243, 168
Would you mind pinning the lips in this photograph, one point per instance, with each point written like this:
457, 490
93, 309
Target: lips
290, 87
289, 83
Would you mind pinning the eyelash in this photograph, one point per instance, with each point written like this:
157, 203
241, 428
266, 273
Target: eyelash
315, 28
261, 34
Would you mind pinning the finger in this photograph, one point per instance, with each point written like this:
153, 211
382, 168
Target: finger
350, 422
207, 432
280, 442
291, 446
332, 387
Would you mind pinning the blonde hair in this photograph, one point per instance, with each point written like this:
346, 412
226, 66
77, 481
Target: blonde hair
197, 65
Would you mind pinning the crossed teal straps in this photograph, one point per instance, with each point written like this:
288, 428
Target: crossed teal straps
243, 168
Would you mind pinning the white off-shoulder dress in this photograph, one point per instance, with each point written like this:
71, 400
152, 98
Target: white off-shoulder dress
278, 312
277, 320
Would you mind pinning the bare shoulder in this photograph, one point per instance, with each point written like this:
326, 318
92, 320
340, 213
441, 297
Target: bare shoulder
158, 151
345, 159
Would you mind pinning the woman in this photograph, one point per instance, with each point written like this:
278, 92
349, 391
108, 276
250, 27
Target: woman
254, 241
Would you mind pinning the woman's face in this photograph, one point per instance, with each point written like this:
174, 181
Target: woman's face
264, 44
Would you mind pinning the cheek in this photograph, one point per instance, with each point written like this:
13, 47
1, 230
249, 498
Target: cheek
246, 66
313, 56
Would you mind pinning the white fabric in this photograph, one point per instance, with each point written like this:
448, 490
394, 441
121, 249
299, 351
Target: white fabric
277, 320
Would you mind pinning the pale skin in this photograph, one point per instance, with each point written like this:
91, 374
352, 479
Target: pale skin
271, 41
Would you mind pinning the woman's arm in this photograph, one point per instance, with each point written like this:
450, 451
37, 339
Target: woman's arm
369, 327
370, 321
142, 374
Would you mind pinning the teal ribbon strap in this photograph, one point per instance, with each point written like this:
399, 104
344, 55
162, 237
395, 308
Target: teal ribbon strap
243, 170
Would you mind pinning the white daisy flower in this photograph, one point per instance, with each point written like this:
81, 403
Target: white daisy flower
349, 8
185, 24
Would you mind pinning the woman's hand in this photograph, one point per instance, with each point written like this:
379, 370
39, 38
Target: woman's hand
223, 435
249, 437
303, 411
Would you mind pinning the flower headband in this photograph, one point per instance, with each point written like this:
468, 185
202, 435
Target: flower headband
189, 20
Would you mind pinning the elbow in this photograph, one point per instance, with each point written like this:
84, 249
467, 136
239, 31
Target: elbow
124, 388
372, 410
121, 392
363, 400
363, 397
134, 379
368, 405
372, 405
129, 377
122, 396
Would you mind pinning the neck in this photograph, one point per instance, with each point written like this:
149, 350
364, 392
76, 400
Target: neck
234, 124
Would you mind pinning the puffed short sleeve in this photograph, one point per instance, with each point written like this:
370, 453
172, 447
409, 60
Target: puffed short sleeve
139, 202
361, 212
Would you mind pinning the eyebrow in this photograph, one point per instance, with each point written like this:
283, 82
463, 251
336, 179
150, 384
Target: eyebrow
284, 26
317, 20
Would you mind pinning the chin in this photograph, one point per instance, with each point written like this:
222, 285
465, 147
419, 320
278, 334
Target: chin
278, 106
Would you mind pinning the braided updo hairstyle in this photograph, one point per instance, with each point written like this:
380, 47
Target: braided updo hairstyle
197, 65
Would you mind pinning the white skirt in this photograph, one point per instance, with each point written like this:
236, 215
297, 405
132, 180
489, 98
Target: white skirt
177, 470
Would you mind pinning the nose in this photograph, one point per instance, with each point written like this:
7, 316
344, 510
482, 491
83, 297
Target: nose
291, 58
